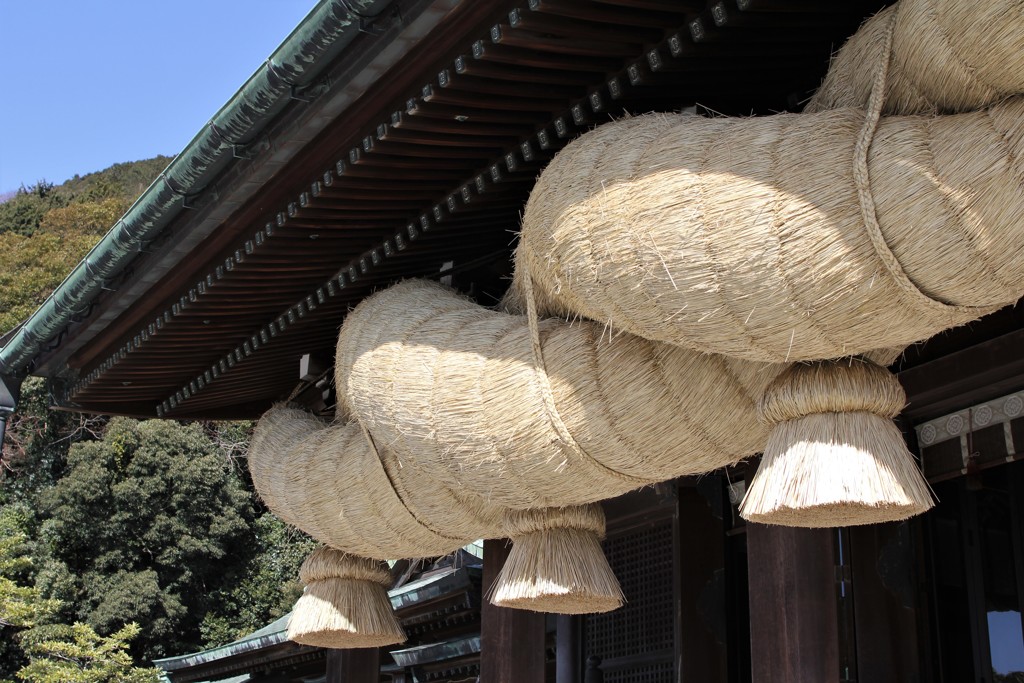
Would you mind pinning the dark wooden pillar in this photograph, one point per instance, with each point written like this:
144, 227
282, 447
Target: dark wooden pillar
884, 595
568, 649
353, 666
511, 640
702, 650
794, 633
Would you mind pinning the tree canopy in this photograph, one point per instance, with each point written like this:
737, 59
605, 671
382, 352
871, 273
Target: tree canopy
45, 229
120, 541
139, 530
106, 524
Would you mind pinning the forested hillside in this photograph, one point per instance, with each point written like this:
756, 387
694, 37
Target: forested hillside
46, 229
120, 541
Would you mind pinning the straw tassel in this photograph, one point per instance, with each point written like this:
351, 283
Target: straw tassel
556, 563
345, 604
834, 457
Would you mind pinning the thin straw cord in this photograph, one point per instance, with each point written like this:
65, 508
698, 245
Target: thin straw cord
862, 177
405, 503
547, 397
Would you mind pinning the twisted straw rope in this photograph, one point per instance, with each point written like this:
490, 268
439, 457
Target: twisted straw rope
541, 373
398, 495
862, 178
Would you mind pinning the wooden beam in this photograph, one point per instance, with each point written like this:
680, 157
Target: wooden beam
794, 634
353, 666
511, 640
973, 375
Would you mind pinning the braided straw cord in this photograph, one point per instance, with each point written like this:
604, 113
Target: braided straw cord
548, 398
862, 177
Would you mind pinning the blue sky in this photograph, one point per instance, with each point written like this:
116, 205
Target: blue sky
89, 83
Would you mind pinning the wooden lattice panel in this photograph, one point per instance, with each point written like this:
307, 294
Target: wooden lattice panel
635, 642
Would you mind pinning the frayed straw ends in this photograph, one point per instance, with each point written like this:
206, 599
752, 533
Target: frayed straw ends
345, 604
557, 564
834, 457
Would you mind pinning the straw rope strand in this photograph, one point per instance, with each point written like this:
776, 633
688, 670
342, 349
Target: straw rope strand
547, 396
862, 177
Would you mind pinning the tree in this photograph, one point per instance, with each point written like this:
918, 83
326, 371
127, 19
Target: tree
76, 654
92, 218
144, 527
36, 444
33, 267
263, 588
21, 213
21, 605
45, 230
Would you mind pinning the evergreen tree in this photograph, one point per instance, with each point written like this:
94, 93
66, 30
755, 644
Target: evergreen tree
76, 654
155, 524
144, 528
21, 213
263, 588
21, 605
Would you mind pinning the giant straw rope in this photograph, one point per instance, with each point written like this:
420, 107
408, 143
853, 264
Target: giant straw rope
635, 413
724, 248
746, 237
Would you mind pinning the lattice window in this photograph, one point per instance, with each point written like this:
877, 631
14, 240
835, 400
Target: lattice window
643, 628
644, 673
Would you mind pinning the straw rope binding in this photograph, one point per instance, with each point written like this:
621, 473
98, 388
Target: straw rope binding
725, 260
759, 249
556, 563
834, 457
327, 481
458, 395
345, 604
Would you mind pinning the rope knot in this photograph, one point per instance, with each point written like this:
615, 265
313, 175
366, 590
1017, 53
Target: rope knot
519, 523
847, 385
328, 563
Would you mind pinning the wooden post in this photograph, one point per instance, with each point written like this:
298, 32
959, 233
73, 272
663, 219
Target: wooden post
353, 666
794, 632
511, 640
568, 650
884, 597
702, 651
